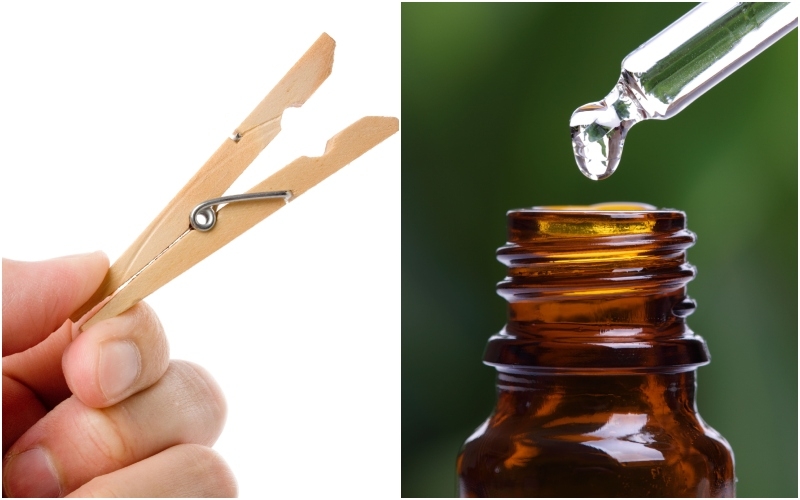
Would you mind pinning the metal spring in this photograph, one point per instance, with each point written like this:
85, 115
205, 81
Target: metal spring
208, 209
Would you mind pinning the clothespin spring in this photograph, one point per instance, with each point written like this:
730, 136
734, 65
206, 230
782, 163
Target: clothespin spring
204, 215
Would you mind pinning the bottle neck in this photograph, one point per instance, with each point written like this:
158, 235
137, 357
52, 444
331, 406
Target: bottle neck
631, 392
596, 290
621, 404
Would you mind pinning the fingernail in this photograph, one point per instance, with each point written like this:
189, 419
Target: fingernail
30, 474
119, 367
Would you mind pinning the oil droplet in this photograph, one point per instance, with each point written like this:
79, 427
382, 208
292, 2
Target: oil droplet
598, 131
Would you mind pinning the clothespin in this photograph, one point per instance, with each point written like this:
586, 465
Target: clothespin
194, 224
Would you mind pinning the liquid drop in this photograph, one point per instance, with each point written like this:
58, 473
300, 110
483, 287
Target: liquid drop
671, 70
599, 129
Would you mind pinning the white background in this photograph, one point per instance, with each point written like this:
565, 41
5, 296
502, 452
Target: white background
106, 110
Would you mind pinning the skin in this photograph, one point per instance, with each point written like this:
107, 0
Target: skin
104, 413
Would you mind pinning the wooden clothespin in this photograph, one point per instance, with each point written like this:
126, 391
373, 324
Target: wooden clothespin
193, 225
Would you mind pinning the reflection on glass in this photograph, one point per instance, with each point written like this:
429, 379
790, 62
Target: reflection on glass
623, 438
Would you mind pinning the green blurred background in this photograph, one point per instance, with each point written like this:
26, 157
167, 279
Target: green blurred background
487, 93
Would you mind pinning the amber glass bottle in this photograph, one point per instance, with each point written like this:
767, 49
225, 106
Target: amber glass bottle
596, 366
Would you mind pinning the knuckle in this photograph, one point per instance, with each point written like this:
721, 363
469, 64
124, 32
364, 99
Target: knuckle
209, 470
103, 442
203, 402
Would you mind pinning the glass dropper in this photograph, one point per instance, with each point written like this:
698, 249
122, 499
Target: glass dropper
671, 70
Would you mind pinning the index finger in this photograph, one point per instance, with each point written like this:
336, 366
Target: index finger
39, 296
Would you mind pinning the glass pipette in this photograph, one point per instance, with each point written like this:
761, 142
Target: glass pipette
671, 70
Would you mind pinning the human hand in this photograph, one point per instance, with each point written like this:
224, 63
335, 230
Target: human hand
104, 413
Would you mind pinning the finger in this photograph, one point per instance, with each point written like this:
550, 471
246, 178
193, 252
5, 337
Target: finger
74, 443
187, 470
38, 369
21, 409
39, 296
117, 357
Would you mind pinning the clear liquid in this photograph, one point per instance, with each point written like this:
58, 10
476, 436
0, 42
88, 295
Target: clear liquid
599, 129
671, 70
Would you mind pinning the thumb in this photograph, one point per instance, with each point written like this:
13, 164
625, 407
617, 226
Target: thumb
39, 296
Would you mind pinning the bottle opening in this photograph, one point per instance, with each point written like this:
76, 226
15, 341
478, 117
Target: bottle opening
617, 206
597, 287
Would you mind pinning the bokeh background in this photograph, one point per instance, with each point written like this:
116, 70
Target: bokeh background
487, 92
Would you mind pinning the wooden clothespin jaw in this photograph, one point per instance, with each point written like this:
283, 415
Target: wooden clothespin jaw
170, 245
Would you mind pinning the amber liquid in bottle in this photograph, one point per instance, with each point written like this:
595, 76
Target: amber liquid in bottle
596, 366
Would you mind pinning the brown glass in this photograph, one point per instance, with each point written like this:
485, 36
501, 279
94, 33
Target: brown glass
596, 366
